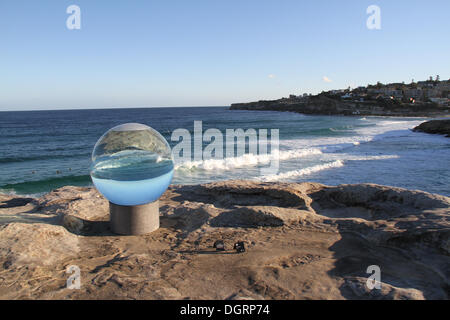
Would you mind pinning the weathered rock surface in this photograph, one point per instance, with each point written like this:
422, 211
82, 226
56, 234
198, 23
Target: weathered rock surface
435, 127
304, 241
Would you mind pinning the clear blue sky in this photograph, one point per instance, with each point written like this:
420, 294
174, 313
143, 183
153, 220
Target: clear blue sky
210, 52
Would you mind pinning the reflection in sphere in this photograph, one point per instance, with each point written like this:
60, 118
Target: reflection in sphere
132, 165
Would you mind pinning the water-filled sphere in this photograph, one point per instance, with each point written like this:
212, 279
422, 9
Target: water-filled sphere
132, 164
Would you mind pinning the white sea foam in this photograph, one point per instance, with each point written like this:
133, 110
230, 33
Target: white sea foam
368, 158
13, 193
246, 160
334, 164
379, 130
302, 172
299, 148
313, 152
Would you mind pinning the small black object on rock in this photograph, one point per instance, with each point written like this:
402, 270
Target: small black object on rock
239, 246
219, 245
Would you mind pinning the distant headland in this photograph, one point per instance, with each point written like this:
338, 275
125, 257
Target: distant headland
435, 127
428, 98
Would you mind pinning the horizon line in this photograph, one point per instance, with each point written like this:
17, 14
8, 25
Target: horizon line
111, 108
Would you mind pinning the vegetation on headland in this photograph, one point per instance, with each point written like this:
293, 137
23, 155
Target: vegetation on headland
417, 99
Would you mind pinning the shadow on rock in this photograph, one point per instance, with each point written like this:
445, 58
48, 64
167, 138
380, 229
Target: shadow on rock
15, 202
405, 233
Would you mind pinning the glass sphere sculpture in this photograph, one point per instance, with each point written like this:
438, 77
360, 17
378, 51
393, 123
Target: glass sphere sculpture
132, 165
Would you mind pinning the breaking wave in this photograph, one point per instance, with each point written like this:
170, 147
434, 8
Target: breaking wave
304, 171
245, 160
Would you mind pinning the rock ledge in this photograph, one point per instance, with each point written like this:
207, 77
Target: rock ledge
303, 240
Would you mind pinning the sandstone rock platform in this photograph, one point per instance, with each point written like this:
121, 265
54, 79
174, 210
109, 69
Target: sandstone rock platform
303, 241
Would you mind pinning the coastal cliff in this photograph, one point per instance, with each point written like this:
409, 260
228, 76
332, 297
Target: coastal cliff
435, 127
326, 105
303, 241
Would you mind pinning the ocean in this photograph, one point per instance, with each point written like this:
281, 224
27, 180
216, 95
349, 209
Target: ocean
44, 150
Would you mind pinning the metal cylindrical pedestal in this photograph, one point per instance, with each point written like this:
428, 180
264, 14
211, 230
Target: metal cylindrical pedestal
134, 220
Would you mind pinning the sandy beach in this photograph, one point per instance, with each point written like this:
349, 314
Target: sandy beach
303, 241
